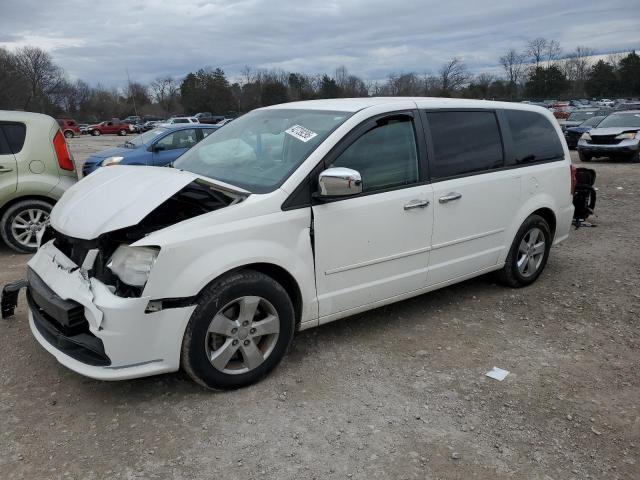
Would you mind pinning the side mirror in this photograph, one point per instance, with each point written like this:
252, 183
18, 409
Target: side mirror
339, 182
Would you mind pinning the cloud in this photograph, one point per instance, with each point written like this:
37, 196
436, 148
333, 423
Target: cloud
99, 41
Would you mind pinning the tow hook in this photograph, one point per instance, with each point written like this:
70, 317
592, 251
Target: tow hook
9, 297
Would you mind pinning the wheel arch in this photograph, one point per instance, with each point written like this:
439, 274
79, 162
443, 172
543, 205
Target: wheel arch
549, 216
280, 275
13, 201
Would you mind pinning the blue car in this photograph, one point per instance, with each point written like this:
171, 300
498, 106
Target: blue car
157, 147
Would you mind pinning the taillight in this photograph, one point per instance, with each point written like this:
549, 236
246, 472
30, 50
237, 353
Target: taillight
62, 152
573, 179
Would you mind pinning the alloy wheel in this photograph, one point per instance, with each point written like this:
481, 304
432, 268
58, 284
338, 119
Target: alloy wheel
531, 252
242, 335
26, 224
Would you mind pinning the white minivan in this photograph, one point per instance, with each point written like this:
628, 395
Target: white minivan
289, 217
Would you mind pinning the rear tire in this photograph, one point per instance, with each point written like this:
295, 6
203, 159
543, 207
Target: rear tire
635, 158
122, 133
528, 254
20, 223
241, 329
68, 134
584, 157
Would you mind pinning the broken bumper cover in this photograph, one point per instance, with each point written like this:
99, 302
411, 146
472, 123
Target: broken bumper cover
94, 332
624, 147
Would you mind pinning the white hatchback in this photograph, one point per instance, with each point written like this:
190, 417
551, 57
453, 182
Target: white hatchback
289, 217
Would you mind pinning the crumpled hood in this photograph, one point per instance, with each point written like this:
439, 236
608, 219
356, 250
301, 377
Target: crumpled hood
117, 197
612, 130
113, 152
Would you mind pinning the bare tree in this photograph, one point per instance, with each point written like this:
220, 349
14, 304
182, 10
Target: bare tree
165, 91
453, 75
513, 64
577, 67
39, 72
552, 51
536, 50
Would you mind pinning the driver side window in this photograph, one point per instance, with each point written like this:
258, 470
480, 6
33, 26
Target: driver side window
180, 139
386, 156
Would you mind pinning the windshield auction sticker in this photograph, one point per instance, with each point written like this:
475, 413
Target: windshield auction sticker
301, 133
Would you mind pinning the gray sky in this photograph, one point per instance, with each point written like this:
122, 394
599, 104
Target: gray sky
97, 41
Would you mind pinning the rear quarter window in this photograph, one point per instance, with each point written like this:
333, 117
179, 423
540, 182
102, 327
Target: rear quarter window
15, 134
534, 138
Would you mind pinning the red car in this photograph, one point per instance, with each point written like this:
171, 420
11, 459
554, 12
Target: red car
69, 127
110, 126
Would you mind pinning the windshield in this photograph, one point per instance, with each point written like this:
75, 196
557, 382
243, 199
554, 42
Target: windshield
592, 122
259, 150
577, 116
621, 120
146, 137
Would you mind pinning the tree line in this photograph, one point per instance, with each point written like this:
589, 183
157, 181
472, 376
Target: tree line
31, 80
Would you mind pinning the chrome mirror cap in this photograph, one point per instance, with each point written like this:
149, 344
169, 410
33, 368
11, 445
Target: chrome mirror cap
339, 182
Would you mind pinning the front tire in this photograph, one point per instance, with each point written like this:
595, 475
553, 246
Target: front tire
21, 222
122, 133
95, 133
241, 329
584, 157
635, 158
528, 254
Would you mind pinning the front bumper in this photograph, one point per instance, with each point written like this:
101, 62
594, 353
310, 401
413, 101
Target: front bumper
118, 340
625, 147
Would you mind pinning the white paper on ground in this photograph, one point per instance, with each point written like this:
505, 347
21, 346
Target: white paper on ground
497, 374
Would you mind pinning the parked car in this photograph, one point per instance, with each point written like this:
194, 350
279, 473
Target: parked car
132, 119
179, 120
83, 128
618, 135
157, 147
110, 126
69, 127
289, 217
572, 134
36, 168
606, 102
224, 122
578, 116
627, 106
208, 117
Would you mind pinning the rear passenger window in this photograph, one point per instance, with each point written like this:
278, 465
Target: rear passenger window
464, 143
386, 156
14, 133
534, 138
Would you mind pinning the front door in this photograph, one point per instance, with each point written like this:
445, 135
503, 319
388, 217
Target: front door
375, 246
170, 147
8, 168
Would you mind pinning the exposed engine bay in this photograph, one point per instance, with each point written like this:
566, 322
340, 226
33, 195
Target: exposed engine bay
195, 199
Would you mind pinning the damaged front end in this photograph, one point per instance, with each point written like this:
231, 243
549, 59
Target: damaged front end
85, 292
94, 256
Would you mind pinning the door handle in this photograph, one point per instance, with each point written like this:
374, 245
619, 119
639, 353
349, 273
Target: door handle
416, 204
5, 169
449, 197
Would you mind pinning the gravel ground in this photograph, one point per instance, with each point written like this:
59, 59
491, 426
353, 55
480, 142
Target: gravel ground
398, 392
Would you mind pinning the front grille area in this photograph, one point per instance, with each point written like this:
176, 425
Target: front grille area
62, 323
604, 140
